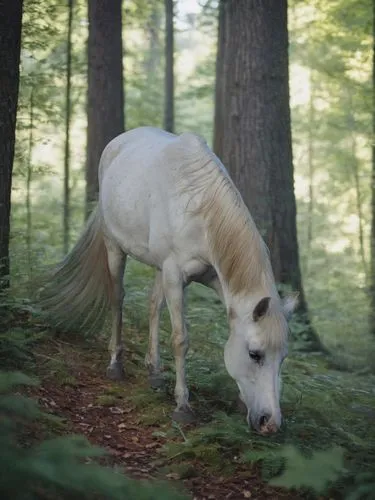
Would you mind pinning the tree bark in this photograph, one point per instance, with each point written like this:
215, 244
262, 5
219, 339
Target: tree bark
311, 158
218, 138
169, 68
351, 122
29, 179
153, 29
105, 102
10, 47
66, 211
257, 128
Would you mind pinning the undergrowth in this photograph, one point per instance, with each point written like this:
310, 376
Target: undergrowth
58, 467
328, 413
62, 467
324, 409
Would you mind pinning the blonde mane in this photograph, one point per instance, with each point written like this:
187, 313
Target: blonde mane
235, 243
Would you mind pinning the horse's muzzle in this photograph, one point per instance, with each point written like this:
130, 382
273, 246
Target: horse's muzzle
265, 424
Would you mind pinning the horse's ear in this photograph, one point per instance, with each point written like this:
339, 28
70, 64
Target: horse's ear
261, 308
290, 302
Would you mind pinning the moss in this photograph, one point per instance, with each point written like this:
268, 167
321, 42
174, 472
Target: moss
106, 400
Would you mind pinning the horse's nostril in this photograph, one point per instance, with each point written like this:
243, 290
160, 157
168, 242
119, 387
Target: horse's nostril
263, 420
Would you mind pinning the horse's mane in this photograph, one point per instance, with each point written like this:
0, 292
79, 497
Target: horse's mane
234, 241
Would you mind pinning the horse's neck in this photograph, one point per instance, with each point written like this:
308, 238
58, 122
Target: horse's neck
242, 303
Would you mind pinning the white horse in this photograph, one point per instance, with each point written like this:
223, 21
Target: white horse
168, 201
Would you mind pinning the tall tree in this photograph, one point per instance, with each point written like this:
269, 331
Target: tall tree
355, 175
372, 271
66, 212
10, 48
153, 28
105, 103
310, 161
169, 68
218, 138
257, 141
29, 173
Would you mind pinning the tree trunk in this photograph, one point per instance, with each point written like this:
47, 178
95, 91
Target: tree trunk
310, 145
372, 270
257, 133
105, 102
154, 56
354, 171
169, 68
29, 179
66, 212
218, 138
10, 47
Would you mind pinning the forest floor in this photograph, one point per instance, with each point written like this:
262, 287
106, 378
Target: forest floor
74, 388
132, 423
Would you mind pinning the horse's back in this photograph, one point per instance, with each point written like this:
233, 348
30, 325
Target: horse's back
148, 155
139, 141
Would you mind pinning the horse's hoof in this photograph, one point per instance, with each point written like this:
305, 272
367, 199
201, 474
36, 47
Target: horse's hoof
156, 381
183, 416
115, 371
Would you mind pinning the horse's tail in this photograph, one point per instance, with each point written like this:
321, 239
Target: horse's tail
78, 292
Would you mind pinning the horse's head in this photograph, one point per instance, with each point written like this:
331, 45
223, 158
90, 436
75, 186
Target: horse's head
253, 356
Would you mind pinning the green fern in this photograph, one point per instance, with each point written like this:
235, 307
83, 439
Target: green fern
364, 487
315, 473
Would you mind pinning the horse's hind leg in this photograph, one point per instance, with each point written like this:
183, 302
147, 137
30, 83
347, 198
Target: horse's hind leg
116, 265
152, 359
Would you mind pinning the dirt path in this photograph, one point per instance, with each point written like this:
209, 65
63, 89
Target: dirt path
117, 427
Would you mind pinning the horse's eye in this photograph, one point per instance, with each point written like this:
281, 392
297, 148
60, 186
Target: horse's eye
255, 356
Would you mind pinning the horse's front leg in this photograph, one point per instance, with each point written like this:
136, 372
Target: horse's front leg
174, 293
152, 359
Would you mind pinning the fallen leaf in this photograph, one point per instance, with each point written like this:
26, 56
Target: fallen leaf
152, 445
116, 410
115, 452
173, 475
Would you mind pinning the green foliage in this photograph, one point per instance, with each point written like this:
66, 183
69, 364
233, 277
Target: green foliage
16, 342
16, 346
106, 400
316, 473
364, 487
331, 85
321, 471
